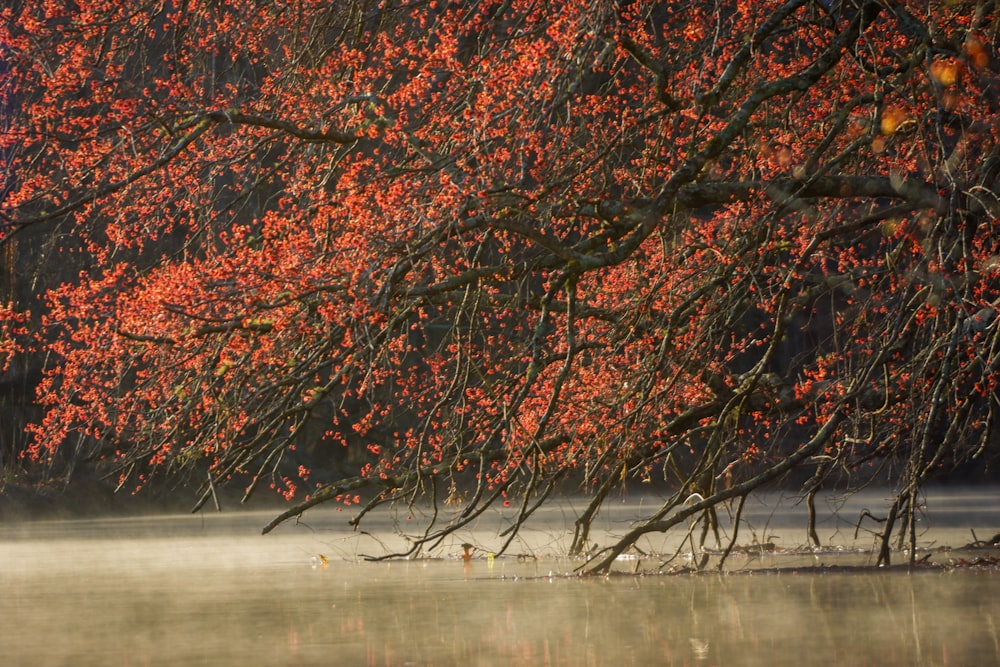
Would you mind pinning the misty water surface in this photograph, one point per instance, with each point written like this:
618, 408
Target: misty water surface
209, 590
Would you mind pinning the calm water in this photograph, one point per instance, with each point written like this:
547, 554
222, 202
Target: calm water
209, 590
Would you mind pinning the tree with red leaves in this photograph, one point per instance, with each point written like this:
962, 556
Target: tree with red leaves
473, 253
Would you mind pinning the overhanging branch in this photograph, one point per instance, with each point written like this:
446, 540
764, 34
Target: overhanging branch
775, 471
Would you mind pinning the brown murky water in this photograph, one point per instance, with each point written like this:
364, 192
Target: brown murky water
209, 590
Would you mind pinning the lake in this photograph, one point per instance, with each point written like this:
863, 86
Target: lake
210, 590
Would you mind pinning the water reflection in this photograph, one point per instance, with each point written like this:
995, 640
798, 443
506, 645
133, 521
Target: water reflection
182, 592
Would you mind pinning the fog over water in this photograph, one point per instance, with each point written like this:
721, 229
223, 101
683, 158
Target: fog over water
210, 590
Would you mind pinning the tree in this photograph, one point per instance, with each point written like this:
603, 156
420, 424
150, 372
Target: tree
470, 253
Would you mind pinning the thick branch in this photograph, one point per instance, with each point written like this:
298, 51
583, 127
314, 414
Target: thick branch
237, 117
919, 194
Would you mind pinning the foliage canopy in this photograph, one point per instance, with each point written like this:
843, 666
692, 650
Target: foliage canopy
474, 252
